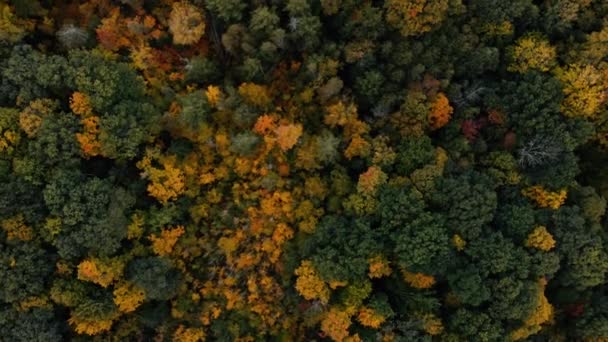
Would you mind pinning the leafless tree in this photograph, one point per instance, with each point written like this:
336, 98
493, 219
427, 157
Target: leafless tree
538, 151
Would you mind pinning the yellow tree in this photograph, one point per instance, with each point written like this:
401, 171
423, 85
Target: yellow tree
584, 90
100, 271
309, 285
166, 182
532, 51
541, 239
186, 23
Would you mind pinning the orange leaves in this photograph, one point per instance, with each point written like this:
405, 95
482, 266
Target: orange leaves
335, 324
100, 271
288, 135
339, 114
540, 239
418, 280
80, 104
544, 198
358, 147
432, 325
265, 124
441, 112
88, 140
16, 229
378, 267
164, 244
110, 33
309, 285
370, 180
368, 317
186, 23
277, 204
257, 95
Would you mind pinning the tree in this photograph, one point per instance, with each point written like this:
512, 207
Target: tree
156, 276
414, 17
186, 23
469, 202
25, 269
532, 51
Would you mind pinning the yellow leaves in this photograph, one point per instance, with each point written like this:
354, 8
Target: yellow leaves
135, 229
228, 245
80, 104
101, 272
544, 198
166, 183
128, 297
542, 313
379, 267
418, 280
458, 242
339, 114
183, 334
281, 234
278, 204
214, 94
90, 326
30, 119
10, 29
141, 56
584, 90
164, 244
335, 324
186, 23
541, 239
370, 180
288, 135
16, 229
8, 139
29, 123
441, 112
309, 285
432, 325
358, 147
257, 95
35, 302
532, 52
368, 317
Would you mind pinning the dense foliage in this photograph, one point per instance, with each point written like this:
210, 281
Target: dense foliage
303, 170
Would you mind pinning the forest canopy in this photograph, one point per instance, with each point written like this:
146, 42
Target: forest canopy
303, 170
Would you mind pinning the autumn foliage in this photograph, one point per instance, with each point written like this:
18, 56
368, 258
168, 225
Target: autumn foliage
230, 170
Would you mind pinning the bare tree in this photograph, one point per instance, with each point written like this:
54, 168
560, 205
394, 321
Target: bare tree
538, 151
